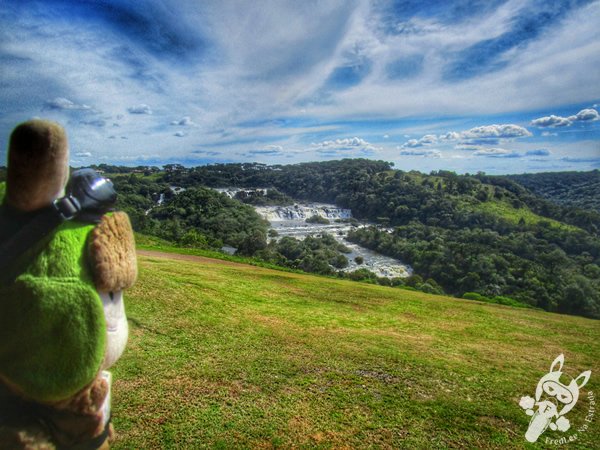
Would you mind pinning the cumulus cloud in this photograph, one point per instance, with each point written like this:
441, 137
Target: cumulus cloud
185, 121
585, 115
140, 109
66, 104
552, 121
450, 136
508, 131
83, 154
344, 145
428, 139
486, 134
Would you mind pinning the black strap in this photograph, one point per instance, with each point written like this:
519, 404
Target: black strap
38, 227
94, 443
18, 413
89, 196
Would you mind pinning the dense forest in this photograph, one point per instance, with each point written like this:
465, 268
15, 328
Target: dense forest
472, 236
465, 235
580, 189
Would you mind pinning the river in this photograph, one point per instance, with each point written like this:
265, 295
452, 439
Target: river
291, 221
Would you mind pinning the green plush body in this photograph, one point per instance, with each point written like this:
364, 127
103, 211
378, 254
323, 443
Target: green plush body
52, 326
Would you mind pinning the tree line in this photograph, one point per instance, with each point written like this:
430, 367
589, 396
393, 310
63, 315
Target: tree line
467, 233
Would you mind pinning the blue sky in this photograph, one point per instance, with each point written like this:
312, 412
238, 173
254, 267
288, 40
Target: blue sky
494, 86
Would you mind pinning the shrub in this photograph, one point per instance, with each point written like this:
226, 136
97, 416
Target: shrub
475, 296
317, 219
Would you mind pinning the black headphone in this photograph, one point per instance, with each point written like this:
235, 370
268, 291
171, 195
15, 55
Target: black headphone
88, 195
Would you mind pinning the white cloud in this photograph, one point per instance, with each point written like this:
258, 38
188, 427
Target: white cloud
83, 154
475, 136
586, 115
552, 121
179, 134
346, 143
496, 131
66, 104
140, 109
428, 139
340, 146
450, 136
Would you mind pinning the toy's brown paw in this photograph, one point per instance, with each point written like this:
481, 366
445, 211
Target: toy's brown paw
112, 250
88, 401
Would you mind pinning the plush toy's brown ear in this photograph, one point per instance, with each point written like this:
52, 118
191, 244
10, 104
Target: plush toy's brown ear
112, 251
38, 165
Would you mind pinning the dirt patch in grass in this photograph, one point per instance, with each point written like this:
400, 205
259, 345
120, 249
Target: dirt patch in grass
180, 257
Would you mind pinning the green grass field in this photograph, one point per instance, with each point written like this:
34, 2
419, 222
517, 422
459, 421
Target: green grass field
226, 355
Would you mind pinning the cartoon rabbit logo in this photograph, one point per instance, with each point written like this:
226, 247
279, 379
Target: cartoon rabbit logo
553, 399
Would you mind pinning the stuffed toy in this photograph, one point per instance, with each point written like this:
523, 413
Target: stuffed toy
62, 319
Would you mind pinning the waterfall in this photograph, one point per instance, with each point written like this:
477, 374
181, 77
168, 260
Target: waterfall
300, 213
232, 192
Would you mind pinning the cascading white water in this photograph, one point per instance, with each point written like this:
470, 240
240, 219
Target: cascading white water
302, 212
232, 192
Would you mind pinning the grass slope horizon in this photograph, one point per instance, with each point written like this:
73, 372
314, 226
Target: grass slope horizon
226, 355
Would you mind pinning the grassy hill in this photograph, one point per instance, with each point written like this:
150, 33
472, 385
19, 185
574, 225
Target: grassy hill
226, 355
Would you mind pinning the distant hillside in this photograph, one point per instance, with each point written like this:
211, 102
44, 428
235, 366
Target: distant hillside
474, 236
580, 189
225, 355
